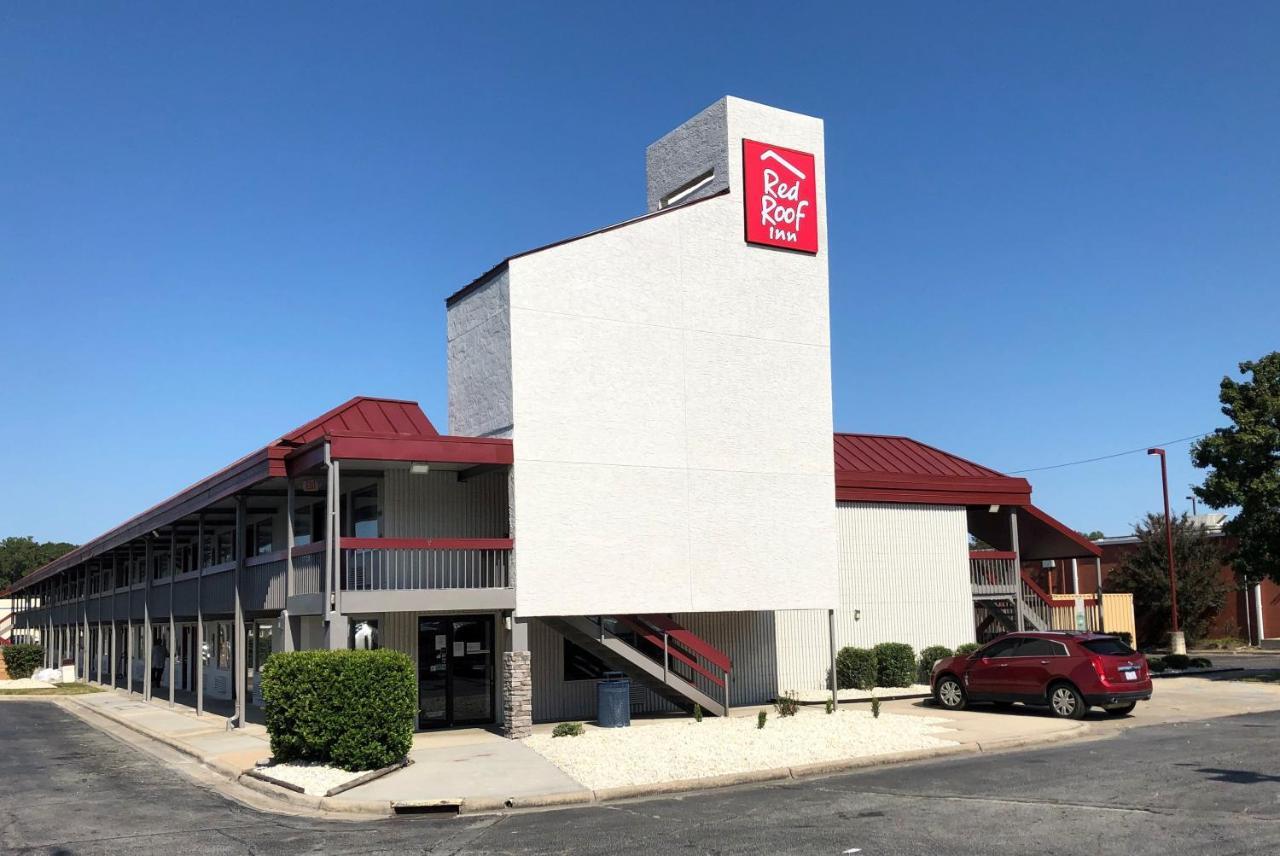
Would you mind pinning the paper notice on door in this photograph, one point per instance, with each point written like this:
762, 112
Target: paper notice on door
441, 643
474, 648
458, 649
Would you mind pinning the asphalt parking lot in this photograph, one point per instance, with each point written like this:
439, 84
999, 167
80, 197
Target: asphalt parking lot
1207, 786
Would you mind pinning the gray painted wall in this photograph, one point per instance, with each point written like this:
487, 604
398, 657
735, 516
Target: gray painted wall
479, 352
686, 153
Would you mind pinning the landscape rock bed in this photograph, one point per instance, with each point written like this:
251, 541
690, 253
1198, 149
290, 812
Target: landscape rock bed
685, 749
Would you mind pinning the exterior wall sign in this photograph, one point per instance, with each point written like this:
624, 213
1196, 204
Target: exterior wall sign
780, 197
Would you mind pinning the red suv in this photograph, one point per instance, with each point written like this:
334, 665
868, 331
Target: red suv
1068, 672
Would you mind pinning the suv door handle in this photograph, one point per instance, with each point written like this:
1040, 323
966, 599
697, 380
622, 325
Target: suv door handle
1044, 662
1004, 665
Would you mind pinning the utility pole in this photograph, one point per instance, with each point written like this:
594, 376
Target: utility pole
1177, 641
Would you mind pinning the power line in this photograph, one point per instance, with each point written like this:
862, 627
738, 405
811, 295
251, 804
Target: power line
1109, 457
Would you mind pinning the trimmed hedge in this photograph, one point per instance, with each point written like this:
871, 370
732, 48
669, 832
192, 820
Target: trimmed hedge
352, 709
21, 660
895, 664
967, 648
1123, 635
856, 669
928, 657
1177, 661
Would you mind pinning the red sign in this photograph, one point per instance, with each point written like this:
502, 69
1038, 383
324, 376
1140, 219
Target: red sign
781, 197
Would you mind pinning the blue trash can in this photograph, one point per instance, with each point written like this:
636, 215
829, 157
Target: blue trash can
613, 701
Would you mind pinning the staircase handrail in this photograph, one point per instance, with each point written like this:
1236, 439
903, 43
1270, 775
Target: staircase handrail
656, 639
687, 638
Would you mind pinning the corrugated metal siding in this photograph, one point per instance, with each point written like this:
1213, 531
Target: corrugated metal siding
748, 639
437, 505
556, 699
399, 632
904, 577
263, 587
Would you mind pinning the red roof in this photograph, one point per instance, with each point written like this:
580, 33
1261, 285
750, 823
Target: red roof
881, 468
371, 415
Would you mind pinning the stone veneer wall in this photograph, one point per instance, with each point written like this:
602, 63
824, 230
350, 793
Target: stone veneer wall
517, 695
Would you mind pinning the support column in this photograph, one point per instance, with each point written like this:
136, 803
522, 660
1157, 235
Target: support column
1102, 621
1257, 606
1017, 567
831, 636
517, 683
336, 623
147, 556
288, 643
200, 615
173, 627
239, 659
84, 616
115, 654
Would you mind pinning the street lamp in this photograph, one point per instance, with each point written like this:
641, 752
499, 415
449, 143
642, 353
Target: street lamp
1193, 505
1178, 641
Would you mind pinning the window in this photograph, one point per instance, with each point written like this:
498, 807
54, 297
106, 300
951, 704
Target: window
364, 513
363, 635
1001, 648
308, 523
259, 537
580, 664
1040, 648
1110, 645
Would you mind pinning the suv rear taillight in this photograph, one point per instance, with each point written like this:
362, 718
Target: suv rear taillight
1098, 667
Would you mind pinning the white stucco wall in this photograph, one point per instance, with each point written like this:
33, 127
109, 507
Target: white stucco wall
671, 397
904, 577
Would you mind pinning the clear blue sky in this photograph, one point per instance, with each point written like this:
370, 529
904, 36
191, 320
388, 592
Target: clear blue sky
1052, 228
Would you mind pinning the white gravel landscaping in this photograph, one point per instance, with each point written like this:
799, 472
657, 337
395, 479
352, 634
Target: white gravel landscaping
685, 749
315, 778
25, 684
854, 695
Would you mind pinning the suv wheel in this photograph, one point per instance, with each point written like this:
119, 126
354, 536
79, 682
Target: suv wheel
950, 694
1121, 710
1065, 702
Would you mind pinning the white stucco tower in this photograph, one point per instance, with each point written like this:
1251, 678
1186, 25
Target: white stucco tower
668, 387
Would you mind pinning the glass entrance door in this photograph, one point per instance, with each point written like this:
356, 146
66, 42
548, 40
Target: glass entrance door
455, 670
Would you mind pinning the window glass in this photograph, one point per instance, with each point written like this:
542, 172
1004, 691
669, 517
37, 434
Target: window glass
363, 635
262, 537
301, 525
1109, 645
1040, 648
366, 516
1001, 648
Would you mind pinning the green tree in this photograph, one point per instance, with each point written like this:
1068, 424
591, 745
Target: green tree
1145, 573
1094, 534
21, 555
1243, 460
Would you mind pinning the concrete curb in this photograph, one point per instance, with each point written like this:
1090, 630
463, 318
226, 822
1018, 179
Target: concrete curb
867, 700
280, 793
475, 805
1195, 673
798, 772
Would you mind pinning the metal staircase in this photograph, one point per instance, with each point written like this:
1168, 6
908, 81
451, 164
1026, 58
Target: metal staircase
1002, 594
656, 652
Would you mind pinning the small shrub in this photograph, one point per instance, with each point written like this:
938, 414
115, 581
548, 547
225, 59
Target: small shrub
928, 657
895, 664
1156, 665
1123, 635
967, 648
760, 719
22, 660
697, 713
875, 707
1201, 663
830, 706
787, 704
1177, 661
1223, 643
352, 709
567, 729
856, 669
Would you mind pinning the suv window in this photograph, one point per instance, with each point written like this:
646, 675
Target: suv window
1002, 648
1109, 645
1041, 648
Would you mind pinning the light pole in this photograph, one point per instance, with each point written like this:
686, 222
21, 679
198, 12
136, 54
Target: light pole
1177, 640
1193, 505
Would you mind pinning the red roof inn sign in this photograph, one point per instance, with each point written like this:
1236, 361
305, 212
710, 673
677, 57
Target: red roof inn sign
781, 199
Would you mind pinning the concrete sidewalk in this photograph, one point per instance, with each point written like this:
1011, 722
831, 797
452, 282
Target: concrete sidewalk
478, 770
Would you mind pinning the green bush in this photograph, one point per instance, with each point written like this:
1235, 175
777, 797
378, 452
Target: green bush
1156, 665
567, 729
856, 669
967, 648
1123, 635
1222, 643
352, 709
21, 660
697, 712
1177, 661
1201, 663
895, 664
875, 707
928, 657
830, 706
787, 704
761, 717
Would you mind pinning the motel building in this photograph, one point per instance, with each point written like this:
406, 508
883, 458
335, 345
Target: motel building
640, 475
